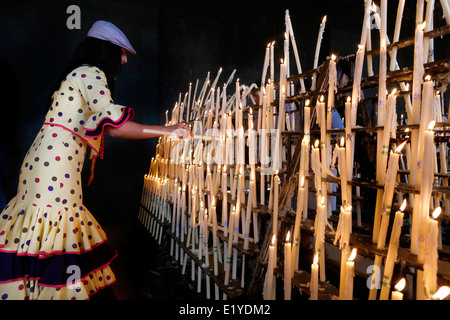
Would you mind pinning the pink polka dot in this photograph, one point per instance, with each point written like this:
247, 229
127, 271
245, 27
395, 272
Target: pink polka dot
54, 135
37, 180
102, 92
61, 185
57, 158
83, 75
21, 287
2, 233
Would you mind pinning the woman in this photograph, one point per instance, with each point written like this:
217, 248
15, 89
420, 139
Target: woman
51, 247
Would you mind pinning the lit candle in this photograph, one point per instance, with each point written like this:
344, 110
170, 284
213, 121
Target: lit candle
392, 252
287, 268
350, 273
314, 285
430, 264
316, 166
426, 184
319, 231
343, 236
266, 65
442, 293
272, 64
397, 294
270, 280
389, 187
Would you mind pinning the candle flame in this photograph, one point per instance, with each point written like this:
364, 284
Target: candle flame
403, 206
333, 57
374, 7
349, 99
276, 172
442, 293
407, 87
342, 141
431, 125
324, 19
360, 47
394, 92
288, 236
273, 239
400, 147
302, 181
307, 103
353, 255
206, 213
436, 213
428, 78
316, 259
321, 98
316, 144
400, 285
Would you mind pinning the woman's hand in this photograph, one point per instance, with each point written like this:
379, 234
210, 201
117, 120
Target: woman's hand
180, 130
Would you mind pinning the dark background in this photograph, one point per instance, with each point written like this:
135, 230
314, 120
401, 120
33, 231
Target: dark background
177, 42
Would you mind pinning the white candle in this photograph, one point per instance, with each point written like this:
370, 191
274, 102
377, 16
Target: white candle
269, 281
398, 24
350, 273
389, 187
392, 252
297, 59
430, 265
272, 64
276, 183
287, 268
314, 285
316, 166
426, 184
249, 211
298, 217
317, 52
282, 97
398, 295
342, 170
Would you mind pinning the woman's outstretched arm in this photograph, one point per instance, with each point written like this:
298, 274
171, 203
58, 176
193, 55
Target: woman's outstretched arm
134, 130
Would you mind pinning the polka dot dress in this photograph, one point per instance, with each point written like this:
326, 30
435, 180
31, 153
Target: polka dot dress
51, 246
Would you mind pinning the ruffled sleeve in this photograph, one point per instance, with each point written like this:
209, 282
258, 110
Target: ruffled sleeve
94, 89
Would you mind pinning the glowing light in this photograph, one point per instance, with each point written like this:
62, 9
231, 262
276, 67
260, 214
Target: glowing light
353, 255
400, 285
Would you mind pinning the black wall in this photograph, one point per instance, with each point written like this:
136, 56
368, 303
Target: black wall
177, 42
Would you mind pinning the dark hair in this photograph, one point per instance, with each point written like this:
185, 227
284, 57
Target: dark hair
99, 53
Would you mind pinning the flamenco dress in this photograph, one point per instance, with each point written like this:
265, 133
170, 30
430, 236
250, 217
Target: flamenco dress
51, 246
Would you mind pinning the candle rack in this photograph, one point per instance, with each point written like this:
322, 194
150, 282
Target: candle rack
184, 200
